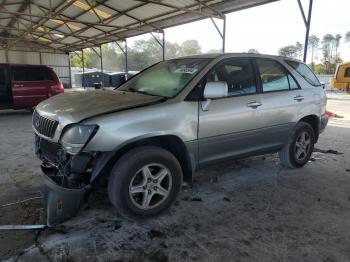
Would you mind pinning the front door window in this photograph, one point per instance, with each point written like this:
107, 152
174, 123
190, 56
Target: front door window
237, 73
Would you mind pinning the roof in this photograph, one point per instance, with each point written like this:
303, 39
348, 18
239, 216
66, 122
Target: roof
345, 64
252, 55
69, 25
21, 65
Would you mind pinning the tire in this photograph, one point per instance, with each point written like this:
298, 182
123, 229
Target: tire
295, 153
144, 182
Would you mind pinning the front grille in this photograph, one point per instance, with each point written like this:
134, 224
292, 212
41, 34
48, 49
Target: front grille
49, 151
43, 125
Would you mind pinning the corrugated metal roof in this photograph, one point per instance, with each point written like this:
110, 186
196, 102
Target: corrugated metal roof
68, 25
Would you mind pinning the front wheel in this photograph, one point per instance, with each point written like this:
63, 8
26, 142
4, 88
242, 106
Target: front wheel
297, 152
144, 182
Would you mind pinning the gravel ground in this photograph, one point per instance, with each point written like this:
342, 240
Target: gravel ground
247, 210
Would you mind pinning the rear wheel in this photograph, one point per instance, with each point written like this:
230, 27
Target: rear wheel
144, 182
297, 152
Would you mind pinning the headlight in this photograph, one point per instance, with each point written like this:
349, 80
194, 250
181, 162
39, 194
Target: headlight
76, 136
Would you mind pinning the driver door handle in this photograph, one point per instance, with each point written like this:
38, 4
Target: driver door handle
254, 104
299, 98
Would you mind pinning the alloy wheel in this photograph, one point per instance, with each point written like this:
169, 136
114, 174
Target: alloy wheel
150, 186
302, 146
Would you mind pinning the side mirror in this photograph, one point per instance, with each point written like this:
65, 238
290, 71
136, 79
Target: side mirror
323, 84
215, 90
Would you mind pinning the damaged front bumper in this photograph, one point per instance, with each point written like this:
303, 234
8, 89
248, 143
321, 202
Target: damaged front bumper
61, 203
68, 178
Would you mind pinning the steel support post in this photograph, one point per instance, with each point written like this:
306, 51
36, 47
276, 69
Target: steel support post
101, 61
70, 71
83, 78
125, 52
126, 59
163, 46
161, 43
7, 56
223, 33
307, 22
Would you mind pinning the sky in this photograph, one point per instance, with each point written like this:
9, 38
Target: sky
268, 27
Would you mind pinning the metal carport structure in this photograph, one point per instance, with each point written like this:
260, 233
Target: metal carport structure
64, 26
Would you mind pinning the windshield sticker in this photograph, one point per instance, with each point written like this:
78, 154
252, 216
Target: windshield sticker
186, 70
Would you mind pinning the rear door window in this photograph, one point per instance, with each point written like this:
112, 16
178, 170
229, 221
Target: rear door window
273, 76
30, 74
305, 72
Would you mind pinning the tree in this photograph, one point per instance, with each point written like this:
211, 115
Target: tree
320, 69
214, 51
299, 47
313, 46
330, 45
288, 51
327, 46
172, 50
337, 43
113, 58
347, 37
141, 54
253, 51
190, 47
76, 60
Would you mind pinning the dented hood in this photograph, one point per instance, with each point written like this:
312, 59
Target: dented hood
76, 106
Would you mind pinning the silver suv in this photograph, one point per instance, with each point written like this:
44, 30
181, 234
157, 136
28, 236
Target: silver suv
154, 131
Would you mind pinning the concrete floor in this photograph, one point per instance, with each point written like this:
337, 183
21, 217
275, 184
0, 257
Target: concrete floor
248, 210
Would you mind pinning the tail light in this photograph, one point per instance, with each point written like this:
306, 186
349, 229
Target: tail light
56, 89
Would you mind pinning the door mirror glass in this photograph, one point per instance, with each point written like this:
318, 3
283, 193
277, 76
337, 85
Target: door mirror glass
215, 90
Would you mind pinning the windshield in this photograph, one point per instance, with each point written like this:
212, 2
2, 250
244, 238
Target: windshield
166, 78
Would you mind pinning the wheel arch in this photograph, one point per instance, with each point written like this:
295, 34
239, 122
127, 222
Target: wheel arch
171, 143
313, 121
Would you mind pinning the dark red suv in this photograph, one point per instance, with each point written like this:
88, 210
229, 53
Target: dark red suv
25, 86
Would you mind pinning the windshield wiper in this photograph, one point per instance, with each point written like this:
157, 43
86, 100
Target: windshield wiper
134, 90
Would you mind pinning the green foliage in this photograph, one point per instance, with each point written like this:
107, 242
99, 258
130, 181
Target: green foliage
190, 47
299, 47
253, 51
331, 58
172, 50
76, 61
347, 37
294, 51
288, 51
327, 46
330, 55
319, 69
314, 42
141, 54
214, 51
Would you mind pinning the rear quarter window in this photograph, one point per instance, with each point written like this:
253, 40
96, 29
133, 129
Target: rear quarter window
305, 72
30, 74
347, 72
